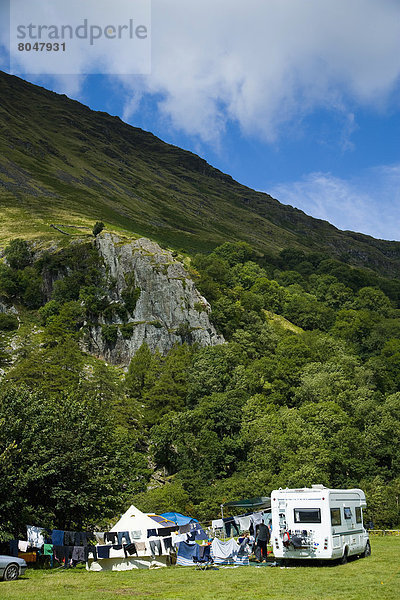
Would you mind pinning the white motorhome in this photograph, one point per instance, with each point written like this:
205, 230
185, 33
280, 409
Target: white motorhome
318, 523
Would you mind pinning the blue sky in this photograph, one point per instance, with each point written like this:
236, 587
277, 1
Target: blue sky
298, 98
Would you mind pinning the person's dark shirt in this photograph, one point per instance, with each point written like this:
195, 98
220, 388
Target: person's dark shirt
263, 533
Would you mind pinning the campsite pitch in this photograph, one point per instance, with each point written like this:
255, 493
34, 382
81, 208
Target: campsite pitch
373, 578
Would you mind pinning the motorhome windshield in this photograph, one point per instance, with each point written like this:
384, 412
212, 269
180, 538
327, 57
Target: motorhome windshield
307, 515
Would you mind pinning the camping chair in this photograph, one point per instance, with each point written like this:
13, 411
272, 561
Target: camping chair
204, 560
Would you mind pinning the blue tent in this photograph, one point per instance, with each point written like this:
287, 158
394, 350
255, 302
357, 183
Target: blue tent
178, 518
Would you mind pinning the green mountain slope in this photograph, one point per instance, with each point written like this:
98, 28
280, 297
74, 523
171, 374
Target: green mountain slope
62, 163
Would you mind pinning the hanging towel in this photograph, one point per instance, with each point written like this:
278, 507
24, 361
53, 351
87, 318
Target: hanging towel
130, 549
166, 531
186, 553
103, 551
13, 545
256, 518
224, 552
117, 551
217, 524
57, 537
244, 523
140, 546
35, 536
23, 546
136, 535
99, 535
178, 537
48, 549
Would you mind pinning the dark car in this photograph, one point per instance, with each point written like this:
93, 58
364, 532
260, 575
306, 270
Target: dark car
11, 567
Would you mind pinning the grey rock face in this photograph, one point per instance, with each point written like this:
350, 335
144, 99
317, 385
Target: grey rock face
167, 307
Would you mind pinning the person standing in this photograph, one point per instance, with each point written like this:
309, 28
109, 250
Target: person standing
263, 537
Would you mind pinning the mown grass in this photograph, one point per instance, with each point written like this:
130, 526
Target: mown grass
377, 578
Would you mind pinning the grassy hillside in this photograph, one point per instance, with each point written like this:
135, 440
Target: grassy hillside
62, 163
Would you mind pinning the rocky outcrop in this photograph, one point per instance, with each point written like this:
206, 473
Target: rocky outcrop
161, 303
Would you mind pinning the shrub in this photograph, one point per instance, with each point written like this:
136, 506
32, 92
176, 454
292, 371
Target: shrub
127, 330
110, 334
130, 296
18, 254
8, 322
50, 309
98, 228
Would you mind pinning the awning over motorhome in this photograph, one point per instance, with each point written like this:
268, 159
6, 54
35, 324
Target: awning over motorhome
250, 503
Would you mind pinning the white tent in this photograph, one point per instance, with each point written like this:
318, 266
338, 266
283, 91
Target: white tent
135, 520
132, 521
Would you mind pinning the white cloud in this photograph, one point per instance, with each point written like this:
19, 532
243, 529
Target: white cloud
263, 64
369, 203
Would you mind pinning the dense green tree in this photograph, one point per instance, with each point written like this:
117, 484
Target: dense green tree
18, 254
138, 369
62, 462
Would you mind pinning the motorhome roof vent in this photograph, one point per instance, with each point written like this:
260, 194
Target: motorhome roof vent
318, 486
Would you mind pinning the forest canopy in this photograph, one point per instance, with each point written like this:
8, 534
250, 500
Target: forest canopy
305, 390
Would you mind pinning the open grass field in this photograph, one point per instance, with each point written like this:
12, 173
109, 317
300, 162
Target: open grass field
376, 577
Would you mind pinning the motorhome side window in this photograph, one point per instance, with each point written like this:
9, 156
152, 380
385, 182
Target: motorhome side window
358, 515
347, 513
336, 518
307, 515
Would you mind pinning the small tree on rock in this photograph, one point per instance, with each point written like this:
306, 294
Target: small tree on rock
98, 228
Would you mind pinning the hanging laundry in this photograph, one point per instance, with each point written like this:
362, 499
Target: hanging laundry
23, 546
140, 546
168, 544
123, 535
130, 549
103, 551
155, 545
166, 531
186, 552
78, 554
48, 549
90, 550
177, 538
229, 524
13, 546
244, 522
136, 535
57, 537
227, 553
35, 536
99, 535
256, 518
217, 524
116, 551
152, 533
69, 538
110, 537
